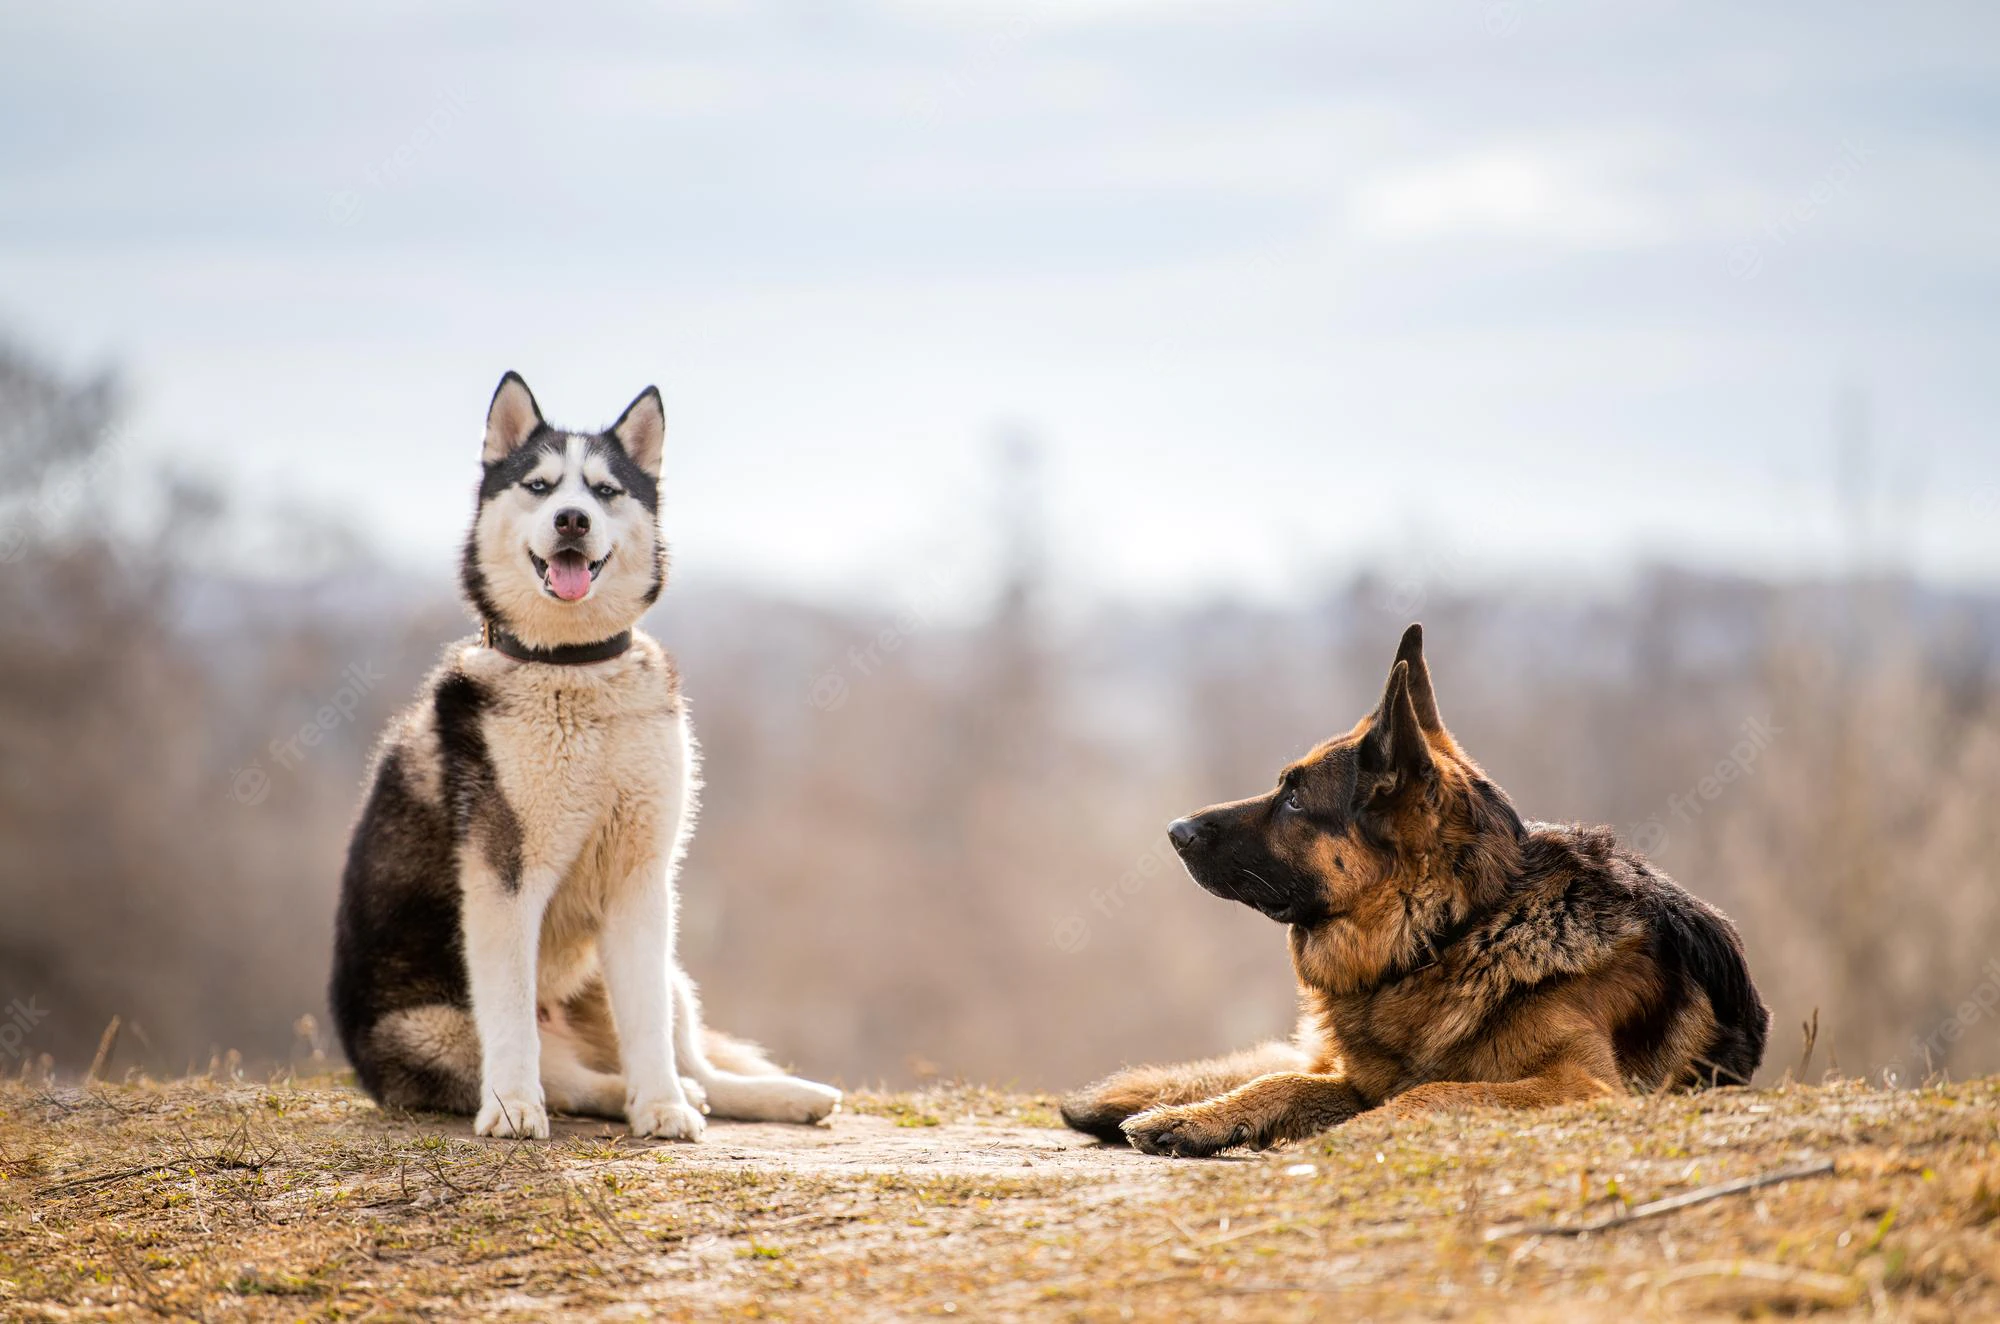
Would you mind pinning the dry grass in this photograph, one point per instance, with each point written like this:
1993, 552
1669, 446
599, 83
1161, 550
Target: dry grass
300, 1200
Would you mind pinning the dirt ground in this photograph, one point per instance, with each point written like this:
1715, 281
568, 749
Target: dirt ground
300, 1200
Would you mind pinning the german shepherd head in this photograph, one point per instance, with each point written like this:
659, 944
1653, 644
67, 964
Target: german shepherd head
1369, 847
565, 547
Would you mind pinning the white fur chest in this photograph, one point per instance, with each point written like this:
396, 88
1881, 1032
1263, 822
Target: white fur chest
593, 761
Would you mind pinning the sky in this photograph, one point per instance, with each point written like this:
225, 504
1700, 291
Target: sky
1278, 290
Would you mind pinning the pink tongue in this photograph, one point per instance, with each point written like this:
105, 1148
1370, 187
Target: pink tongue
569, 576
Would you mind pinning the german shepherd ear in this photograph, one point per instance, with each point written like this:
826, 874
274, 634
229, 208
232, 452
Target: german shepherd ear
1395, 747
642, 430
1422, 697
511, 419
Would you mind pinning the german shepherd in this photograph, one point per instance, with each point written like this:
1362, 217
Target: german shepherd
1448, 954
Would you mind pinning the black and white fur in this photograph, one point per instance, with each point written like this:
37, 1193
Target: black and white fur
505, 940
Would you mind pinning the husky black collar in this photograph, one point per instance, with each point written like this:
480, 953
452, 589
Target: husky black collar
562, 655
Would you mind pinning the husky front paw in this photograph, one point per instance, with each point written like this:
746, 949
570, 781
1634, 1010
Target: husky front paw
1189, 1131
664, 1119
513, 1115
697, 1096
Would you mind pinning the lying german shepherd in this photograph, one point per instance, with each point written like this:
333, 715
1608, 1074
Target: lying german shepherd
1448, 954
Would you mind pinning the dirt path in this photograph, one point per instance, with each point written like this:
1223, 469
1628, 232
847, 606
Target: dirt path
850, 1145
302, 1200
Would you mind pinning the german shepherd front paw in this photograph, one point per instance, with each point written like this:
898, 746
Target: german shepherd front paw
1189, 1131
664, 1119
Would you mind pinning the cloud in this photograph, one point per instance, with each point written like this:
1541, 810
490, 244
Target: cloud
1318, 240
1510, 192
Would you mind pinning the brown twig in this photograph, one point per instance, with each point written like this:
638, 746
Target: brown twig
1716, 1073
230, 1156
105, 1044
1655, 1208
100, 1179
1822, 1289
1810, 1029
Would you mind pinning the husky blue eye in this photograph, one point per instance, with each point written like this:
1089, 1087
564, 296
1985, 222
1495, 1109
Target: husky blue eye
538, 486
606, 491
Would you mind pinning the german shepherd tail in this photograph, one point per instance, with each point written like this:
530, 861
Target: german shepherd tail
1689, 936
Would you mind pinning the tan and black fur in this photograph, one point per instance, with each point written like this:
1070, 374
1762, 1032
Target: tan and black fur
1448, 954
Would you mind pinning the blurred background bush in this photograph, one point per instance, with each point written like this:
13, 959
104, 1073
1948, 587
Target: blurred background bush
1068, 406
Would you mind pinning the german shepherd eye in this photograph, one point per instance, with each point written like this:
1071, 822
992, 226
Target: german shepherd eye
539, 486
1292, 803
606, 491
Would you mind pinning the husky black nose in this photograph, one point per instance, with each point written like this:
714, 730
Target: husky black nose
1183, 832
572, 523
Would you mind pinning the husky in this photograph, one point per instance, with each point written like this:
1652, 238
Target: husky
505, 938
1448, 954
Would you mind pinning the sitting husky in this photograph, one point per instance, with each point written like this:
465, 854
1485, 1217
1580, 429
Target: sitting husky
505, 941
1448, 954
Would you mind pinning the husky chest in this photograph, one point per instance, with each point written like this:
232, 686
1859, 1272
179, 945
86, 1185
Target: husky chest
594, 765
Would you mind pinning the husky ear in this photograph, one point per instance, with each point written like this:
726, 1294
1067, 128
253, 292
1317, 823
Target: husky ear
511, 419
642, 430
1397, 747
1422, 697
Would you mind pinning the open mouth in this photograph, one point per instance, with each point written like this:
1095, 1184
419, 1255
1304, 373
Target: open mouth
566, 575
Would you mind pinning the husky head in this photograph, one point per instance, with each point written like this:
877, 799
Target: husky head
1369, 845
566, 546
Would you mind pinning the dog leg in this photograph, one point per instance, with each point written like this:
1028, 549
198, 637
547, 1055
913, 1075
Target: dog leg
636, 946
1102, 1109
762, 1097
502, 931
1565, 1081
1265, 1112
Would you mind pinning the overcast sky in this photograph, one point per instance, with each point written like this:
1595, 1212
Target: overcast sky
1279, 287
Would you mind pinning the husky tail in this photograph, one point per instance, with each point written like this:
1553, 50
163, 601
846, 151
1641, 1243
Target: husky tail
735, 1076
